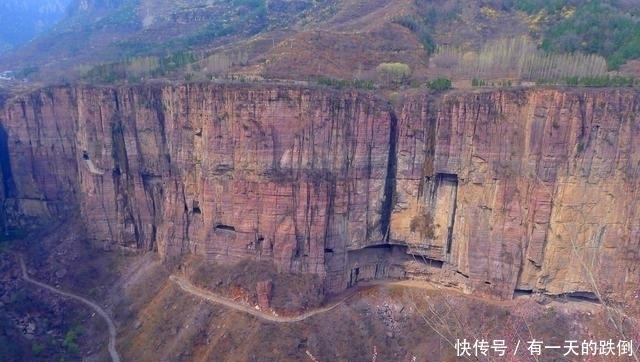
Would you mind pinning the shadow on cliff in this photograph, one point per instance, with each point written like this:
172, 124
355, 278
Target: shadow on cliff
8, 185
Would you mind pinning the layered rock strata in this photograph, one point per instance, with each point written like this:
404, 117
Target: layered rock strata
496, 192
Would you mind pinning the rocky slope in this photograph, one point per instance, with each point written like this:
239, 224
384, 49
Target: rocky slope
495, 192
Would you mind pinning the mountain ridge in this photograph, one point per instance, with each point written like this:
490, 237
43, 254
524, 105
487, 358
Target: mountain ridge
305, 39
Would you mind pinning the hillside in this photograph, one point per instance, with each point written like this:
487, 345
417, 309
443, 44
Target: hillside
493, 41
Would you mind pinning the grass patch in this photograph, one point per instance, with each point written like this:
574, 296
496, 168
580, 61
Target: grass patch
602, 81
339, 83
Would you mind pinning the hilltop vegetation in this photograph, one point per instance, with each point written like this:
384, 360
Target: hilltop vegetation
564, 41
609, 28
345, 43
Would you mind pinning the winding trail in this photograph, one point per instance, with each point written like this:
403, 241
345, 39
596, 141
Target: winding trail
115, 357
186, 285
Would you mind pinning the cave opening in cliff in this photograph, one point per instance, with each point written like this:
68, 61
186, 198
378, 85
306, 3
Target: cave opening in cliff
446, 177
196, 207
369, 263
387, 261
225, 227
522, 292
257, 244
580, 296
380, 246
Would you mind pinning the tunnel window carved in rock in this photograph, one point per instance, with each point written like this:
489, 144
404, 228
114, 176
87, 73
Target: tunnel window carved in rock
196, 207
225, 227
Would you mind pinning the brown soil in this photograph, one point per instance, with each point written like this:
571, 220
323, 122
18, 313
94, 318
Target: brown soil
401, 320
291, 293
159, 321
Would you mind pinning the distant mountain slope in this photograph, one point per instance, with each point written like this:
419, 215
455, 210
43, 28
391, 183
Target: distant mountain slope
102, 31
22, 20
488, 41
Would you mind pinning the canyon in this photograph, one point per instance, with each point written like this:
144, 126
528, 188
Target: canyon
495, 192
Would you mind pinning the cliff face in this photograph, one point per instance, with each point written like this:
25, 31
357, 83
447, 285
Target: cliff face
273, 173
547, 190
494, 192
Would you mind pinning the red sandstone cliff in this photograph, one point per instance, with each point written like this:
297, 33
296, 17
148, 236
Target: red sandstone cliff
494, 192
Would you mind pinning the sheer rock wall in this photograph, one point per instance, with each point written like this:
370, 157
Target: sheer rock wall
493, 191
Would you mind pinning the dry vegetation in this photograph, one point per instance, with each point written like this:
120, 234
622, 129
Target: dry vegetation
291, 292
399, 321
516, 58
41, 326
344, 43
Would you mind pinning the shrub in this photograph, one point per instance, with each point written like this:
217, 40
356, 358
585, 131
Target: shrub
70, 342
439, 84
475, 82
394, 72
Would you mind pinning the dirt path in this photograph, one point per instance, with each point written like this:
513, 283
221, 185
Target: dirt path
115, 357
188, 287
185, 285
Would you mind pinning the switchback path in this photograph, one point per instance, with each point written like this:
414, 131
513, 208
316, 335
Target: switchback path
186, 285
115, 357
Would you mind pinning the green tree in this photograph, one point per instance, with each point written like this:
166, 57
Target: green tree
439, 84
394, 73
